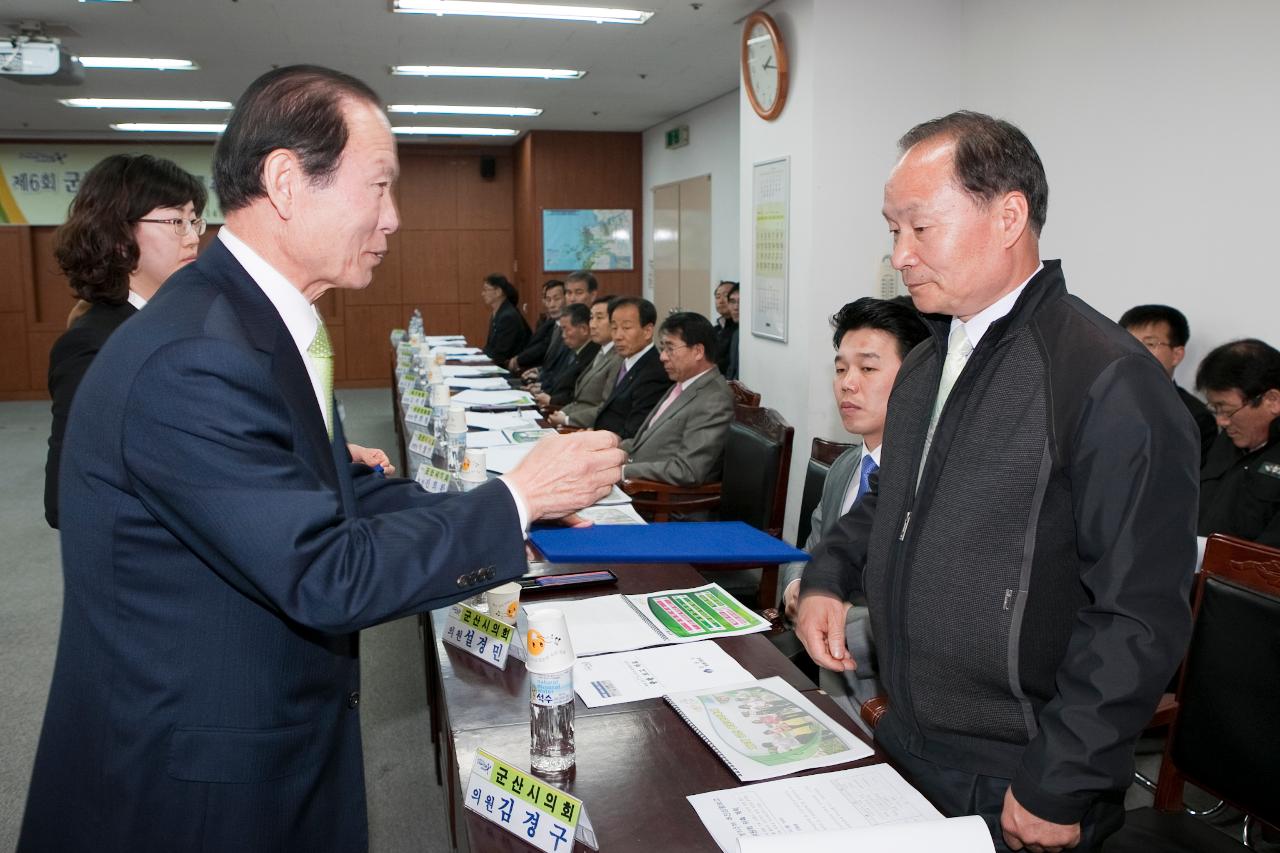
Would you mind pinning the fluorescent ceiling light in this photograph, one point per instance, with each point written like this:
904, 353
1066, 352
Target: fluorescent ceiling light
479, 71
456, 131
106, 1
144, 104
161, 127
138, 62
436, 109
546, 11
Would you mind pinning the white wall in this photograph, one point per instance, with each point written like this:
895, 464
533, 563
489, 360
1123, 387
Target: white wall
1156, 122
712, 150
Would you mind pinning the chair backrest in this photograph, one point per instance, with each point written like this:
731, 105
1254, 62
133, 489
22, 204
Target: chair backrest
1224, 738
757, 457
742, 395
822, 454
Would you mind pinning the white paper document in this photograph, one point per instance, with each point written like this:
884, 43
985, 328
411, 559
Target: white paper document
451, 371
620, 514
649, 673
497, 421
451, 350
471, 359
479, 383
615, 497
509, 397
486, 438
864, 809
621, 623
503, 458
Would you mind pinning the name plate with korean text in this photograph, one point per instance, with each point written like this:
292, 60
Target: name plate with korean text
406, 382
526, 806
482, 635
413, 397
418, 414
422, 444
433, 479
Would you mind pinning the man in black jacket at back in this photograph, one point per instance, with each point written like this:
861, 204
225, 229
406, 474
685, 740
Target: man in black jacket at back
1026, 550
535, 352
642, 380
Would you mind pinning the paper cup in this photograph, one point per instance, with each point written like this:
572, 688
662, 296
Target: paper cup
474, 465
547, 642
439, 395
457, 418
504, 602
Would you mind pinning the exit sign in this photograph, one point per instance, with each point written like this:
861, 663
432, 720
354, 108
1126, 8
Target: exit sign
678, 137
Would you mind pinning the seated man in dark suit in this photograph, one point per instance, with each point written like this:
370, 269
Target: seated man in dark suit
642, 380
579, 289
1165, 332
682, 440
559, 379
725, 324
1240, 481
534, 352
225, 551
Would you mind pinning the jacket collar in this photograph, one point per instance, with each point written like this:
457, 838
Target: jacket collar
1045, 286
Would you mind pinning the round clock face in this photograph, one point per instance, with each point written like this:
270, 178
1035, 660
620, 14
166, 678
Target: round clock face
762, 66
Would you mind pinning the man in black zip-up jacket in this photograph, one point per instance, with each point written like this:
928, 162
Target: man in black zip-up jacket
1027, 551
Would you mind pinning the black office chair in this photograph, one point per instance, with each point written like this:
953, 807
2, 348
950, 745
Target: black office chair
822, 455
753, 488
1223, 735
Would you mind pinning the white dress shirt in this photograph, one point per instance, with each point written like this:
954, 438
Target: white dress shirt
631, 362
137, 300
976, 326
302, 319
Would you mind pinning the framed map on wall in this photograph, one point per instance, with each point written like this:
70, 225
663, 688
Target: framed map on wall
587, 240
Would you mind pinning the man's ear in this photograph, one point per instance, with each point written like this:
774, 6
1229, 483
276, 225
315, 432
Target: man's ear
1271, 401
1179, 353
282, 178
1015, 217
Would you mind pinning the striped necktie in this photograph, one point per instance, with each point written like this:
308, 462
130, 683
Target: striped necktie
321, 354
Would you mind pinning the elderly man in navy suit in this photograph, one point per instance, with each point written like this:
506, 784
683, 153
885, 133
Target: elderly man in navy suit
226, 551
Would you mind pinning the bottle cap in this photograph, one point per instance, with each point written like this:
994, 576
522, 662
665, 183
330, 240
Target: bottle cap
547, 642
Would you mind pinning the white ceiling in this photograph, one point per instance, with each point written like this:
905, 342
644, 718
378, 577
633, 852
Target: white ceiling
637, 76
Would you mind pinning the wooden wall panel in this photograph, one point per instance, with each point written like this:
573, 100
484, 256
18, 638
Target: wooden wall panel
428, 192
429, 267
440, 319
580, 170
53, 295
338, 340
366, 343
15, 374
14, 269
38, 346
485, 204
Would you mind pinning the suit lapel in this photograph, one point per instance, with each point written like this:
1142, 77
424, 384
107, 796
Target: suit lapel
268, 333
836, 496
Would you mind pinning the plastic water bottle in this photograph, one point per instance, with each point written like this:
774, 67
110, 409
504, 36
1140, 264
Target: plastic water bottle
551, 709
456, 437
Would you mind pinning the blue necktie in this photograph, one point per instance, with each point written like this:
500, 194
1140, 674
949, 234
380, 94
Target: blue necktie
869, 467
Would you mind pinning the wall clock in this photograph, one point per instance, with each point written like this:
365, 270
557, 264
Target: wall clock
764, 65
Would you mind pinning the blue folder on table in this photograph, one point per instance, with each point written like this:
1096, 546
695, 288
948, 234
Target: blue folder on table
674, 542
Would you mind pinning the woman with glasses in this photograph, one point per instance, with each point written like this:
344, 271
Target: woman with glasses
133, 223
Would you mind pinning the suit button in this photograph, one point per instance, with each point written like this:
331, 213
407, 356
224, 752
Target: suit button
489, 574
462, 581
353, 699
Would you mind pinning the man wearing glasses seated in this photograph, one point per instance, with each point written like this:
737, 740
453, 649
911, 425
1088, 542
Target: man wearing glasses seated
1164, 331
681, 442
1240, 480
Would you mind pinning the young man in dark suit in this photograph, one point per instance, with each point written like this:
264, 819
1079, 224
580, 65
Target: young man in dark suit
642, 380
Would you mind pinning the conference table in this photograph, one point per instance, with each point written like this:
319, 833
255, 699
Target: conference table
636, 762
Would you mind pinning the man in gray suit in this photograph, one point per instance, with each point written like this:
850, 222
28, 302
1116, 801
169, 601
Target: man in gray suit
595, 382
681, 442
871, 338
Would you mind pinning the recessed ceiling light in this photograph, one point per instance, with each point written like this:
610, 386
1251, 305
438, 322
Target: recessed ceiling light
456, 131
138, 62
436, 109
547, 11
161, 127
479, 71
144, 104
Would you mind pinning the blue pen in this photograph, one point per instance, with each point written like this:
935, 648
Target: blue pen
377, 469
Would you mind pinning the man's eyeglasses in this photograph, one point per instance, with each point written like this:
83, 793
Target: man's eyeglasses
182, 227
1153, 344
666, 348
1225, 414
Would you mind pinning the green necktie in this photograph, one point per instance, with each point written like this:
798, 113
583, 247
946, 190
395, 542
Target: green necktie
321, 352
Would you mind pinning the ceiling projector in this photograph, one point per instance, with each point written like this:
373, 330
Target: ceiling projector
37, 59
